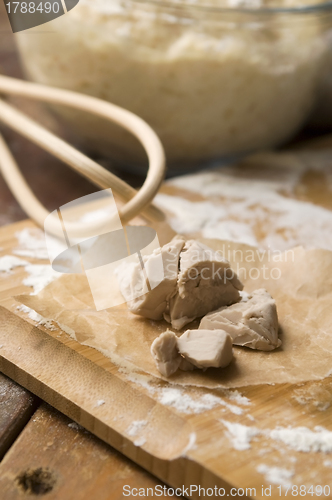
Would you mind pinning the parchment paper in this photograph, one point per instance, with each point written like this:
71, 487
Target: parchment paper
300, 281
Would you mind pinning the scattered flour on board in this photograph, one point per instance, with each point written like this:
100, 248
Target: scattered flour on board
298, 438
30, 312
140, 441
276, 475
184, 403
321, 406
39, 275
237, 397
100, 402
240, 435
246, 203
135, 427
315, 396
66, 329
48, 323
327, 463
9, 262
304, 439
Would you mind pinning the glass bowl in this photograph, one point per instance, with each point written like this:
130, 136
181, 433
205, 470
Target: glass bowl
214, 80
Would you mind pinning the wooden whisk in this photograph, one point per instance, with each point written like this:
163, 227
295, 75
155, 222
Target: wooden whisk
136, 201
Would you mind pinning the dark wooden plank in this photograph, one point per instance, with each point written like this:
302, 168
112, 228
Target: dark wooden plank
53, 455
16, 407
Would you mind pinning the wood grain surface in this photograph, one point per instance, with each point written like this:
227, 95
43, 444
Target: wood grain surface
16, 407
55, 456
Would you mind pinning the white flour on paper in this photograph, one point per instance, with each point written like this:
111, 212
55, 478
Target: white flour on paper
9, 262
242, 207
50, 324
223, 183
39, 276
30, 312
276, 475
32, 244
288, 222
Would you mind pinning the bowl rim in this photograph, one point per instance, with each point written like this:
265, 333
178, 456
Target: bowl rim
319, 8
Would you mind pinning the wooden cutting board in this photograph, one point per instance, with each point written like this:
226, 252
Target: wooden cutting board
181, 449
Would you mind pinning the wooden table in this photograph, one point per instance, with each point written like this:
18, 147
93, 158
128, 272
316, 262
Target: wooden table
41, 450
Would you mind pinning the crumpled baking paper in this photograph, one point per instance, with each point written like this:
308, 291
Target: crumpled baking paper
300, 281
